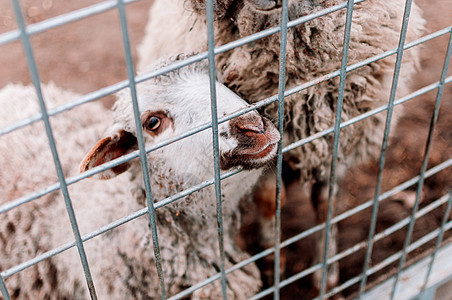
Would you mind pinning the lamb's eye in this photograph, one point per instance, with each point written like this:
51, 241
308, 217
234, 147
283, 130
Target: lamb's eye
153, 123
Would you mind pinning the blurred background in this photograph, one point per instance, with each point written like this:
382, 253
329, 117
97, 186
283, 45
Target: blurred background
86, 55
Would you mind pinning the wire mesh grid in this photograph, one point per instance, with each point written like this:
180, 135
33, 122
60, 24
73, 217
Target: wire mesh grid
23, 34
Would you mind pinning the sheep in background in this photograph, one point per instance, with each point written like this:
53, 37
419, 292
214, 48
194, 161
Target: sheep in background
314, 48
27, 166
30, 143
122, 260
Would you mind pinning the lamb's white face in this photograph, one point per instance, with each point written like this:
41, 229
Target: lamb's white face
248, 140
168, 111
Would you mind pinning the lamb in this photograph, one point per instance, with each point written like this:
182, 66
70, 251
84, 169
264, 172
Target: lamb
122, 260
313, 49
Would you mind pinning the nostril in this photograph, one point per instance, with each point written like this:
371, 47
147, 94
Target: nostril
251, 128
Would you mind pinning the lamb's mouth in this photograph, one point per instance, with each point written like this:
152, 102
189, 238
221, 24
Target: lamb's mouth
249, 159
262, 153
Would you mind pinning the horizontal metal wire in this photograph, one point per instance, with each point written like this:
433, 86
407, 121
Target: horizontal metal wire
266, 252
365, 115
79, 14
398, 255
378, 266
120, 85
15, 203
391, 259
337, 219
254, 106
166, 201
7, 273
140, 78
115, 224
63, 19
184, 193
143, 77
413, 275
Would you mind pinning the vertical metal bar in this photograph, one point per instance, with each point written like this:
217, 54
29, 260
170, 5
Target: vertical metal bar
4, 289
422, 174
438, 242
45, 118
216, 150
446, 213
416, 203
141, 145
428, 294
384, 146
281, 90
340, 101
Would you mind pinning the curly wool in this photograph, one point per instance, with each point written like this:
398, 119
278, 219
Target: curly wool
121, 260
27, 167
314, 49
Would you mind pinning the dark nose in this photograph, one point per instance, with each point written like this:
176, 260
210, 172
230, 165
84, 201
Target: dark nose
252, 131
255, 126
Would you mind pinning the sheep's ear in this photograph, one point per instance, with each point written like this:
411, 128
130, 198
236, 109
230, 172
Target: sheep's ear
118, 144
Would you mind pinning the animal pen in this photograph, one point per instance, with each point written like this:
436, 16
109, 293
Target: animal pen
412, 277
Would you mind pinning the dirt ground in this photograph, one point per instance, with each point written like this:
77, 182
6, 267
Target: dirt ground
81, 56
86, 55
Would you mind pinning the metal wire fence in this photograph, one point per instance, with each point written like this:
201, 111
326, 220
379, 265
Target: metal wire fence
24, 32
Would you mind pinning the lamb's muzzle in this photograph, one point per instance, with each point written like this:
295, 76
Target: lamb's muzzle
257, 140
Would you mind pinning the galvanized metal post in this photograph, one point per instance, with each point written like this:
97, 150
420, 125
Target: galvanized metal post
400, 50
281, 90
425, 161
59, 170
141, 145
216, 151
337, 128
